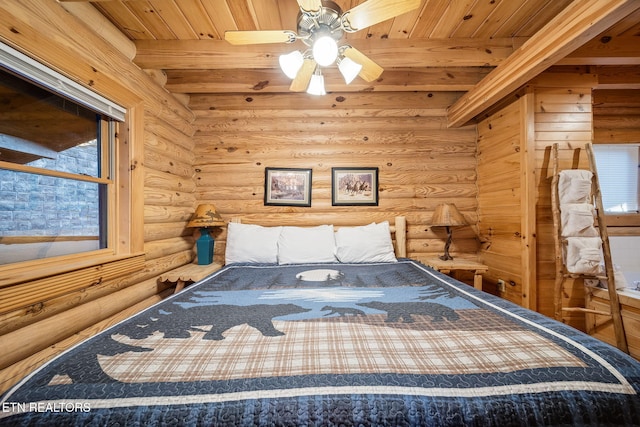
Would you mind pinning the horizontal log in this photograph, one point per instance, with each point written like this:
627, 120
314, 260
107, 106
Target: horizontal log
331, 102
161, 231
163, 162
167, 181
48, 331
218, 54
161, 248
16, 372
153, 214
273, 80
159, 197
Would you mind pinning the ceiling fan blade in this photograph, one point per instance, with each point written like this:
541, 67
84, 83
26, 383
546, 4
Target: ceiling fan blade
301, 82
260, 37
374, 11
370, 70
310, 6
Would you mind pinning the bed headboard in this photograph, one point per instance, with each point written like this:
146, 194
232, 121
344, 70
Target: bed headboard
398, 230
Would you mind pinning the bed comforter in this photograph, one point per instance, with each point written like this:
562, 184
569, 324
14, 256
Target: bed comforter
332, 344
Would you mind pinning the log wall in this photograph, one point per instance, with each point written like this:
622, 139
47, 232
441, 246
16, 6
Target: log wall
421, 162
34, 324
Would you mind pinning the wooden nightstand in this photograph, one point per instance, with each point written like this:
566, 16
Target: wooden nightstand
189, 273
459, 264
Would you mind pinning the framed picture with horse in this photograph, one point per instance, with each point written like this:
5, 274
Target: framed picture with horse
357, 186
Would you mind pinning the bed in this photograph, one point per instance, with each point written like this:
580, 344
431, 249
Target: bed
365, 338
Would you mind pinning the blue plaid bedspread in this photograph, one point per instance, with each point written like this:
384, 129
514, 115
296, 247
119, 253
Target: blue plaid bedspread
332, 344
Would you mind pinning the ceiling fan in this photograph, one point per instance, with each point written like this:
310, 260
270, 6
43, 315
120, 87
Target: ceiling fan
321, 26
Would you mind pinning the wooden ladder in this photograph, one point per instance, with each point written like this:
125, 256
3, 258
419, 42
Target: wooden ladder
561, 272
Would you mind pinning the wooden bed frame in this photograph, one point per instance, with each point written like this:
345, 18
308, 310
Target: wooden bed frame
398, 229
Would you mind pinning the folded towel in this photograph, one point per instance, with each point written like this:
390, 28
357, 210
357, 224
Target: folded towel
577, 220
584, 255
574, 186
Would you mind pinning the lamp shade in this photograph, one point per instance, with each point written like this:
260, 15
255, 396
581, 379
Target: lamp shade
349, 69
316, 85
447, 215
291, 63
206, 216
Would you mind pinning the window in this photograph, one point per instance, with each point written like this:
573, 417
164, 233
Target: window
617, 166
56, 163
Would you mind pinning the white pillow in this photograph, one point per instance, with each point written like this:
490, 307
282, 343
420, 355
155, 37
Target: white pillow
299, 245
368, 243
252, 243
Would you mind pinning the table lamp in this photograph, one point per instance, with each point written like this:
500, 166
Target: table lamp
205, 217
447, 215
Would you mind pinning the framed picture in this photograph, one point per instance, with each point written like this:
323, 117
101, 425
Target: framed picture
287, 187
354, 186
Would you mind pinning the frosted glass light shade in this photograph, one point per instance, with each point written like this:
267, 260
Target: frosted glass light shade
325, 51
290, 63
349, 69
316, 85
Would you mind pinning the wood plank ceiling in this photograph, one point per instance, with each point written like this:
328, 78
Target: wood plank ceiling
444, 45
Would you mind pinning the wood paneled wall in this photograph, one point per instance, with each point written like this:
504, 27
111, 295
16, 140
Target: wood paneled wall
40, 324
506, 194
421, 162
515, 211
563, 115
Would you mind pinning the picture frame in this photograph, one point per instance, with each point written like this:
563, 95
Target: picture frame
287, 187
357, 186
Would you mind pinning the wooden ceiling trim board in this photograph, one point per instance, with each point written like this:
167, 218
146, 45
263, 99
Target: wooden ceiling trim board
333, 101
153, 22
612, 77
242, 16
456, 12
175, 19
617, 51
127, 21
504, 13
198, 54
273, 80
432, 13
576, 25
403, 25
267, 15
476, 18
198, 19
536, 21
221, 17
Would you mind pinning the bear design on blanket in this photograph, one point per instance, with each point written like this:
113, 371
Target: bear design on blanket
181, 320
403, 311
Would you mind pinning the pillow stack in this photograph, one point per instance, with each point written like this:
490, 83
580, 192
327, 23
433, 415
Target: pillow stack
248, 243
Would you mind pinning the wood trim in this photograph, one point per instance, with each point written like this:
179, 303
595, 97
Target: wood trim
552, 43
528, 190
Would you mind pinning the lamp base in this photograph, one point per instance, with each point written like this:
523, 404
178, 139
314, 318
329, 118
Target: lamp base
204, 246
446, 256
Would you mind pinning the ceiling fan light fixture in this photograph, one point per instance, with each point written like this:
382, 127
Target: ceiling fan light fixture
349, 69
325, 51
316, 85
291, 63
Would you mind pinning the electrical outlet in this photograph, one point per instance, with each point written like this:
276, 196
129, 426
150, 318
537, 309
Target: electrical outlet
501, 286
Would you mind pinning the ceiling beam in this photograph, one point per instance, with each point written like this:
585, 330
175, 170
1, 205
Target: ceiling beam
273, 80
218, 54
606, 50
574, 26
